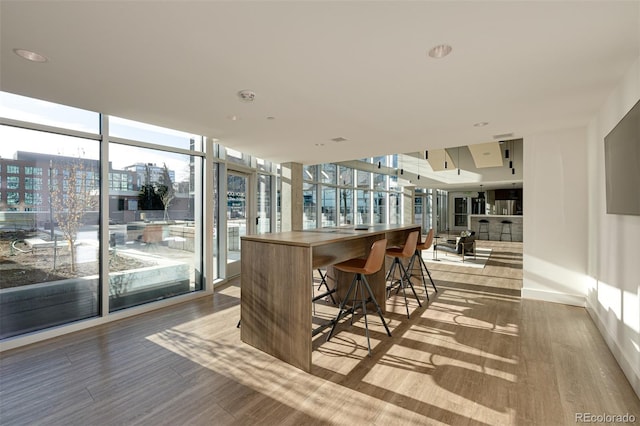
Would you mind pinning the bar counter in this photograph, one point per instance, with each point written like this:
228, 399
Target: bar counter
277, 277
495, 226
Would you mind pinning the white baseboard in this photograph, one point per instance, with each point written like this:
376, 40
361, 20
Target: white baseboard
632, 376
551, 296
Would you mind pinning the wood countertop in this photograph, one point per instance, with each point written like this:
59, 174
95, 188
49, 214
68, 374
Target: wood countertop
497, 216
323, 236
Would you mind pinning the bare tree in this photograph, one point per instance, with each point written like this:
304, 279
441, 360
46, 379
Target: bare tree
166, 191
71, 198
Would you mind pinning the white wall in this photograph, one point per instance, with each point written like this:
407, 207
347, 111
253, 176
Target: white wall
555, 221
574, 252
613, 297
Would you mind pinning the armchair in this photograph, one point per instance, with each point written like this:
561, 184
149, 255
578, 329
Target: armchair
464, 245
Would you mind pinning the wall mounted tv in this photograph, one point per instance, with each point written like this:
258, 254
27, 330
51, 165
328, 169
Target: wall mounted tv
622, 164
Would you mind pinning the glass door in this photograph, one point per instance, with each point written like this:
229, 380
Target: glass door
237, 215
460, 212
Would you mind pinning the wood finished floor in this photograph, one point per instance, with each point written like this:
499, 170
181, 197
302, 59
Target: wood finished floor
475, 355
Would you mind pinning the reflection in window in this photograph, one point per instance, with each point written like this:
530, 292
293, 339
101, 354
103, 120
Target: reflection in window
379, 181
309, 206
328, 173
264, 203
263, 165
346, 176
363, 200
160, 237
364, 179
309, 173
379, 207
328, 206
381, 161
346, 206
394, 208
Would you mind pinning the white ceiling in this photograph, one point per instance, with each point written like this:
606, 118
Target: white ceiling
351, 69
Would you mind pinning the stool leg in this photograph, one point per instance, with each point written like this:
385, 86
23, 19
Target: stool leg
355, 295
344, 301
375, 302
364, 312
411, 268
323, 281
403, 277
390, 274
428, 273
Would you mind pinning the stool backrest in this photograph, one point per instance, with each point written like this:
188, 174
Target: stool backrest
410, 245
375, 258
429, 240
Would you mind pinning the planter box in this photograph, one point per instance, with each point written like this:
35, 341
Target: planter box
148, 284
38, 306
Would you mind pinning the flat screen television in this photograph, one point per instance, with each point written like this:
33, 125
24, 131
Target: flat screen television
622, 165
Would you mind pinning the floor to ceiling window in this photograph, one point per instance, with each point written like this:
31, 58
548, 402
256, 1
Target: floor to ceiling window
49, 212
155, 222
59, 264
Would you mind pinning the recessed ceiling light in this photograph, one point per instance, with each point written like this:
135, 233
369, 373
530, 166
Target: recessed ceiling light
271, 118
339, 139
233, 117
440, 51
29, 55
319, 144
481, 124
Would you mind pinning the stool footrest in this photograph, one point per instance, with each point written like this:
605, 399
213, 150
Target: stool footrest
323, 295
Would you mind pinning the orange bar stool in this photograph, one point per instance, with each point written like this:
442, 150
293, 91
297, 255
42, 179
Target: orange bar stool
405, 252
423, 266
361, 268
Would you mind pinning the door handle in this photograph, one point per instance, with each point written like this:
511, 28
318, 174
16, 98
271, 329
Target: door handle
257, 219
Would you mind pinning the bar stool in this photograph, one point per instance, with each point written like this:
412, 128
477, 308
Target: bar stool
405, 252
418, 255
361, 268
483, 229
506, 225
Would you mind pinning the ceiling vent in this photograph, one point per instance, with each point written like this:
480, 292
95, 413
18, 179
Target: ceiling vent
246, 95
